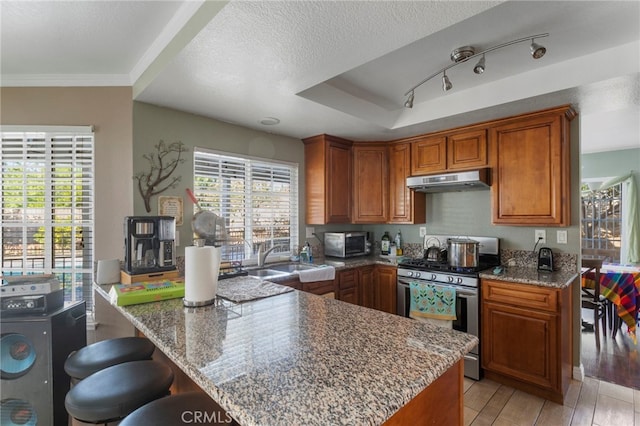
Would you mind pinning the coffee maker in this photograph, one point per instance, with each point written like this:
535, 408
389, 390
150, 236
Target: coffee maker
149, 244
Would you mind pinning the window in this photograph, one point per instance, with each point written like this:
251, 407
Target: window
47, 185
257, 198
602, 223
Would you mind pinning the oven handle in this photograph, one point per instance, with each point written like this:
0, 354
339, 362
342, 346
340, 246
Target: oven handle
460, 291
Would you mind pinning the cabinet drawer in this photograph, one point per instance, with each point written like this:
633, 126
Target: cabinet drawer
522, 295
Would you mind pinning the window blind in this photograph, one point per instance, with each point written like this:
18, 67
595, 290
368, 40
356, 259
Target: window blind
47, 184
258, 199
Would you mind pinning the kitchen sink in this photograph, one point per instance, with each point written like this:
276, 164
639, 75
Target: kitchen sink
279, 270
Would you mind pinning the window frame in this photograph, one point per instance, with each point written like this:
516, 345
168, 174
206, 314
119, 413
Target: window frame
77, 278
243, 247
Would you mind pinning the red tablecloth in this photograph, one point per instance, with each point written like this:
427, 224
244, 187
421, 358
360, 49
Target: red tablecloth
623, 289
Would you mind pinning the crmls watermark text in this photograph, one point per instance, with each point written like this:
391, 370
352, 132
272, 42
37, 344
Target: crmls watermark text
204, 417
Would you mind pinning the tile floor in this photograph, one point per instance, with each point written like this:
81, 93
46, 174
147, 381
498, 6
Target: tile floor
592, 402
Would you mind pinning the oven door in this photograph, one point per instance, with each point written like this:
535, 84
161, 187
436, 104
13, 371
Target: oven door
466, 305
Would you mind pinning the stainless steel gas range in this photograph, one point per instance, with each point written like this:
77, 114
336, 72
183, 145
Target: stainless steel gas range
465, 281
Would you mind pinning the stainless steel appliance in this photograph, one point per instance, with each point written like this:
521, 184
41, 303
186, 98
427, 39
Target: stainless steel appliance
545, 259
457, 181
466, 282
149, 244
346, 244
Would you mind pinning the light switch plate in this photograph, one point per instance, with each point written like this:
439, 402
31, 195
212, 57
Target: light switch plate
310, 231
561, 237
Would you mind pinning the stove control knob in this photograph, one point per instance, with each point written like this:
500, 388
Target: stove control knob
450, 279
433, 277
459, 280
410, 273
417, 275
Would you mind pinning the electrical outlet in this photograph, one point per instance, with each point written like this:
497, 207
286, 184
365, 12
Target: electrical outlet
561, 237
310, 231
423, 231
540, 236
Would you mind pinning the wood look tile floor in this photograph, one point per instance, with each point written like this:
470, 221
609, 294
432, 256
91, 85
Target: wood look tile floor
592, 402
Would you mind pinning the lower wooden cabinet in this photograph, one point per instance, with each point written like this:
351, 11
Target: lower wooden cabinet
365, 279
526, 337
348, 289
384, 283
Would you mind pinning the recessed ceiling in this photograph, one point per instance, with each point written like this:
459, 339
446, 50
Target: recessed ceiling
339, 67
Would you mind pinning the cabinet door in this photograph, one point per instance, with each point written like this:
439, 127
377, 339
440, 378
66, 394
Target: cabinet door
327, 179
319, 287
405, 205
385, 288
520, 343
467, 150
531, 185
370, 166
366, 283
429, 155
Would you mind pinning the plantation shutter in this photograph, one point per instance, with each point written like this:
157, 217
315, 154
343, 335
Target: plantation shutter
47, 185
258, 199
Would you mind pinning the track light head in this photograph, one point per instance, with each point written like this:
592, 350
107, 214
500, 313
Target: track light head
409, 102
537, 51
446, 83
479, 68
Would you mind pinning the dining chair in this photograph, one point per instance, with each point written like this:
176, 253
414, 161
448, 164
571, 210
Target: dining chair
591, 298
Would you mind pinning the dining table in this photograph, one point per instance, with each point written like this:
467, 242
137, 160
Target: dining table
622, 288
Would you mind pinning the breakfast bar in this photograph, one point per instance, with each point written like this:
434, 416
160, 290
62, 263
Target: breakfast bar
298, 358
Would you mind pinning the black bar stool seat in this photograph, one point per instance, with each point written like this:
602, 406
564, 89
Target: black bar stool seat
116, 391
176, 410
106, 353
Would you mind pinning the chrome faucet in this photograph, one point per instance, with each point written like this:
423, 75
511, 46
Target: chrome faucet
262, 255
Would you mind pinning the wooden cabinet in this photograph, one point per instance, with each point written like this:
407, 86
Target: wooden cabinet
319, 287
405, 205
526, 337
348, 288
365, 280
532, 169
371, 183
328, 177
440, 153
384, 284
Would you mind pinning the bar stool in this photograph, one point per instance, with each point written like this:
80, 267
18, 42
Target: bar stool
103, 354
176, 410
112, 393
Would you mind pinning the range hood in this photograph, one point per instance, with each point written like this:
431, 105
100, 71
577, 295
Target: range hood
459, 181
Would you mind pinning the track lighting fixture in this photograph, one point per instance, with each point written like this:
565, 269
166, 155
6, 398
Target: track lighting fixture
409, 102
446, 83
462, 54
537, 51
479, 68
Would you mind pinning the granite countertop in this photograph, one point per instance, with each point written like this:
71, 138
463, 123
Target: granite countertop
298, 358
556, 279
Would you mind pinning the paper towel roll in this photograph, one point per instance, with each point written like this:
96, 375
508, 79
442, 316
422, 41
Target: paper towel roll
201, 267
108, 271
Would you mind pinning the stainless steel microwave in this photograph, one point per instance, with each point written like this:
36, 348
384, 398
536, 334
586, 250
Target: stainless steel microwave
346, 244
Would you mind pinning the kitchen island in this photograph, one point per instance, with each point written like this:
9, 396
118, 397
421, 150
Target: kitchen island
298, 358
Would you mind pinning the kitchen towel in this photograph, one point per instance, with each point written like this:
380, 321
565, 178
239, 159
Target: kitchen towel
321, 273
201, 267
432, 301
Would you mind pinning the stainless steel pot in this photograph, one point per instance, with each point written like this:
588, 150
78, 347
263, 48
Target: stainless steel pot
464, 253
435, 253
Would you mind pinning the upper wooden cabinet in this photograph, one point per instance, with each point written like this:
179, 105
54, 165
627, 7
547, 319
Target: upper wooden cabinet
327, 179
532, 169
405, 205
449, 151
371, 183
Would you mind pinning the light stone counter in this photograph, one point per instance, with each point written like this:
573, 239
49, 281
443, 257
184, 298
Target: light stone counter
555, 279
297, 358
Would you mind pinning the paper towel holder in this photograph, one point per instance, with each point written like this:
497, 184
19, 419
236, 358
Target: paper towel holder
190, 304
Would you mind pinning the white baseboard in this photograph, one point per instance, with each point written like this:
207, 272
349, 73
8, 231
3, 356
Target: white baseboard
578, 372
91, 322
